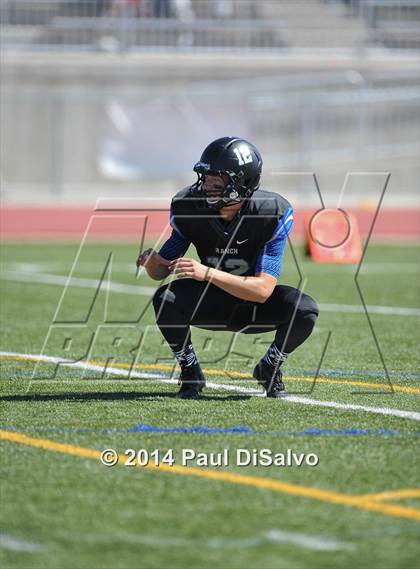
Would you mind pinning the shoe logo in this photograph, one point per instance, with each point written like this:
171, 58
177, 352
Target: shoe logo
240, 242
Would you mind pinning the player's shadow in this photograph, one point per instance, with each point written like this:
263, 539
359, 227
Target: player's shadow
111, 396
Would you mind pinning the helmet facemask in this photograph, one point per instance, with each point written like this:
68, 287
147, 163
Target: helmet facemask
218, 196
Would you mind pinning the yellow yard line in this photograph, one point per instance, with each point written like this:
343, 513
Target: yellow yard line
289, 488
48, 444
240, 374
355, 383
19, 358
394, 495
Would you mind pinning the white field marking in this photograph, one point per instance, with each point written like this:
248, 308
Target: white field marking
125, 373
89, 366
49, 279
46, 278
307, 541
372, 309
14, 544
28, 267
353, 407
412, 415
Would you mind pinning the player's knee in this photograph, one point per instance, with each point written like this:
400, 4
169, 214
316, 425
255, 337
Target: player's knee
307, 306
308, 321
162, 295
307, 312
301, 304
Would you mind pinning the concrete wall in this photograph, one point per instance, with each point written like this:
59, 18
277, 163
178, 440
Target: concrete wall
63, 116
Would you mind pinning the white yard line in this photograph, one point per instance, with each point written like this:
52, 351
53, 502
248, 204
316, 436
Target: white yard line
124, 372
50, 279
371, 308
14, 544
306, 541
46, 278
413, 415
401, 413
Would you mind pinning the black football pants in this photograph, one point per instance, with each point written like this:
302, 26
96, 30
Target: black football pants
186, 302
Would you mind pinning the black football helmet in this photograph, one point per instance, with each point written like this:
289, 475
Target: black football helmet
235, 158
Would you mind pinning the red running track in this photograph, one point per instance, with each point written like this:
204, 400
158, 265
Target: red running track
71, 223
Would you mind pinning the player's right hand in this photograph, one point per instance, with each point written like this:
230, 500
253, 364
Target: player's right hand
150, 259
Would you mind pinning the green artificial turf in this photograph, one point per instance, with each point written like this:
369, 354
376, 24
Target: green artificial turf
63, 510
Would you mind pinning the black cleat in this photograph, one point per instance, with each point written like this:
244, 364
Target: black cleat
192, 381
271, 379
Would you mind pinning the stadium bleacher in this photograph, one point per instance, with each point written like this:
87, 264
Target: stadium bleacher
207, 24
325, 85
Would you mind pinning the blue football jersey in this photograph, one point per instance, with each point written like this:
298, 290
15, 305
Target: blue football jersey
251, 243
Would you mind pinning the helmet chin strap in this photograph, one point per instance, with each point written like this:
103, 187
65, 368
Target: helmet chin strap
221, 203
233, 197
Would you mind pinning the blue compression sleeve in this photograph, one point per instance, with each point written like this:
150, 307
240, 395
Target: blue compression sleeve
270, 259
177, 245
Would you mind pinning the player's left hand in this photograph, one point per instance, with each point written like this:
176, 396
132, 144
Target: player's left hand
189, 268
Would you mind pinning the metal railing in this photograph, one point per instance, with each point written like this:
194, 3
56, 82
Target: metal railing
91, 143
130, 24
391, 23
112, 25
